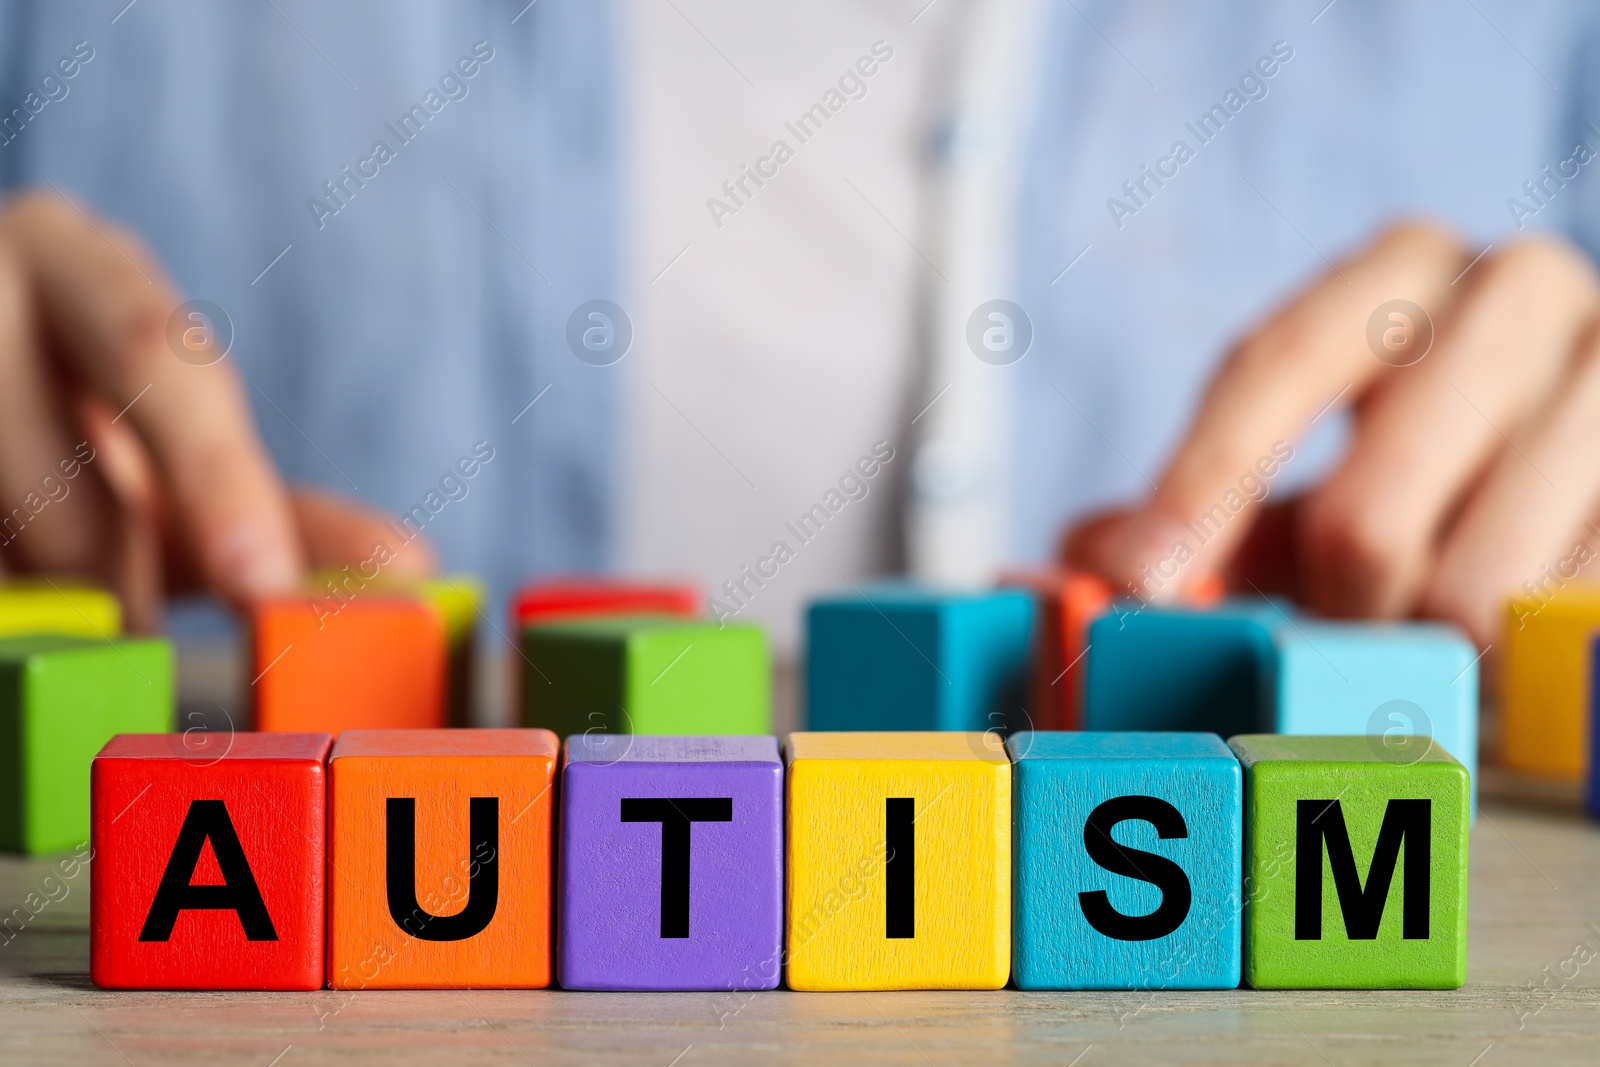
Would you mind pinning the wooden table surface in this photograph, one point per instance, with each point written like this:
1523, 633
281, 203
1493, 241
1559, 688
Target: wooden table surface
1529, 998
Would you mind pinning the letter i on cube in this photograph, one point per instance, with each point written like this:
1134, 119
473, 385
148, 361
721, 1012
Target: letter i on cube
899, 861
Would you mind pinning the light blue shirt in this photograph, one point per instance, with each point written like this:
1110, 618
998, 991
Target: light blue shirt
419, 309
429, 309
1386, 110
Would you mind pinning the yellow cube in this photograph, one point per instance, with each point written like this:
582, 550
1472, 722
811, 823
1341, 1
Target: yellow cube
899, 864
57, 606
1544, 691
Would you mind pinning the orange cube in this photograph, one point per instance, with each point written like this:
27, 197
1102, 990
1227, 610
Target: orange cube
373, 662
1068, 602
439, 853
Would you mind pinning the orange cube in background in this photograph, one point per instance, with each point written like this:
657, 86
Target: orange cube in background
439, 853
370, 662
1068, 602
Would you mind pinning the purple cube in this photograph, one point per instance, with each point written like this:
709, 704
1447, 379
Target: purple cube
671, 870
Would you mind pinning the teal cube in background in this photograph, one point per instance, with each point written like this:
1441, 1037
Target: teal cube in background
903, 657
1158, 668
1126, 861
1398, 684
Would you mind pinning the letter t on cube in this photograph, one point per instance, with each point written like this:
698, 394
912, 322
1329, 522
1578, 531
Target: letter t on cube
671, 863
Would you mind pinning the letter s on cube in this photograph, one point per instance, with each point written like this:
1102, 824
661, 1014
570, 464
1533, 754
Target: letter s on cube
1127, 863
208, 861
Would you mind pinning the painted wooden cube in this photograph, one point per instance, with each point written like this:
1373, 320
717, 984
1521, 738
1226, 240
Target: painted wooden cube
458, 601
1404, 686
899, 862
61, 699
1355, 866
57, 606
671, 863
904, 657
209, 862
1126, 859
441, 846
646, 675
1592, 791
1545, 682
1173, 668
579, 597
1066, 602
368, 661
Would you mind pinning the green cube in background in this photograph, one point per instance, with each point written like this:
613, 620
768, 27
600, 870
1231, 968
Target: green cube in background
646, 675
61, 699
1355, 864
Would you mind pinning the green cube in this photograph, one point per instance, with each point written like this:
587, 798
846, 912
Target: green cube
645, 675
1355, 865
61, 699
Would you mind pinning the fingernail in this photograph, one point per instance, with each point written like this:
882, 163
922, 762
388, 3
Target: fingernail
249, 561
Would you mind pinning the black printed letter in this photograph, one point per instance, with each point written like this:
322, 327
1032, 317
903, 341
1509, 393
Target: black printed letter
238, 893
675, 815
1136, 863
1319, 820
483, 877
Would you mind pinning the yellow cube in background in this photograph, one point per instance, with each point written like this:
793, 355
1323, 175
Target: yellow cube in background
57, 606
899, 861
1544, 682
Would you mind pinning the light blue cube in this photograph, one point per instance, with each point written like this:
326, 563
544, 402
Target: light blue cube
1126, 861
1158, 668
1399, 684
905, 657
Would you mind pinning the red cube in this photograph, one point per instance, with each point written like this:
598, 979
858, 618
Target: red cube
543, 601
209, 853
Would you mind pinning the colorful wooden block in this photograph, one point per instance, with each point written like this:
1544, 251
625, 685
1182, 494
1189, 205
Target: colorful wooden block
440, 850
1173, 668
1126, 851
905, 657
57, 606
899, 864
61, 699
459, 600
1066, 602
1545, 684
209, 862
1404, 686
1355, 866
1592, 790
646, 675
372, 661
671, 863
578, 597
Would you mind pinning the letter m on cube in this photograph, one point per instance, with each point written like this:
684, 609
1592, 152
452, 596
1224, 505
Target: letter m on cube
1355, 865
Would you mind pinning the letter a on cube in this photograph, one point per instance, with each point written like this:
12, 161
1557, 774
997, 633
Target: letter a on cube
899, 861
208, 861
671, 863
440, 853
1355, 865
